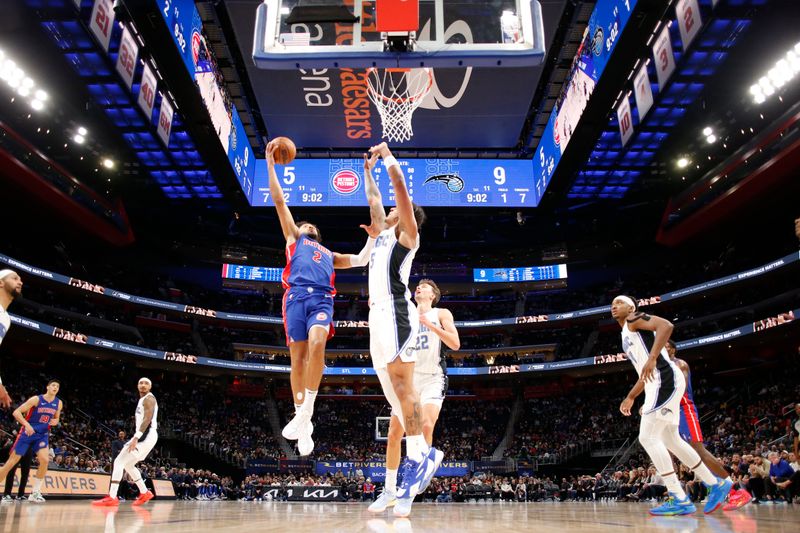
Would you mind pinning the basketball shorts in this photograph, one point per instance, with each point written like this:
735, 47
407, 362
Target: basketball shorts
304, 308
432, 388
689, 427
143, 447
393, 328
662, 396
37, 441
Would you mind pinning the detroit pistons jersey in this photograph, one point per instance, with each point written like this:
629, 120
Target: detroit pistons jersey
5, 323
430, 355
668, 379
40, 416
390, 267
140, 414
308, 264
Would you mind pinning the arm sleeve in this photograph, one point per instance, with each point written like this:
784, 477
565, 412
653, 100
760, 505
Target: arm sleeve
363, 256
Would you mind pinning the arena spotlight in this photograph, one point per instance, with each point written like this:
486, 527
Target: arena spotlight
37, 105
82, 131
784, 70
78, 138
707, 131
683, 162
711, 139
108, 163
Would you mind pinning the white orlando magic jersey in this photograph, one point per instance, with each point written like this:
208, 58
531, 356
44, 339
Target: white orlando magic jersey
668, 383
430, 357
5, 323
140, 413
389, 268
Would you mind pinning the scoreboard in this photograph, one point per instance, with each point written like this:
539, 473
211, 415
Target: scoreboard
430, 182
251, 273
507, 275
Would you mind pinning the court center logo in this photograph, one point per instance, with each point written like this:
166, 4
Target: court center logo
346, 181
453, 182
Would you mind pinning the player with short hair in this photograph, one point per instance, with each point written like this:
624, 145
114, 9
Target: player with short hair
643, 339
36, 416
394, 320
10, 288
136, 449
307, 305
430, 379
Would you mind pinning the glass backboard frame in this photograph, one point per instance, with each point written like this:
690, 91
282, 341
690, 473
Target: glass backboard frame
269, 52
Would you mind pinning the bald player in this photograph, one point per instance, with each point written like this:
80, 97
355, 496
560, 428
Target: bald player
136, 449
10, 288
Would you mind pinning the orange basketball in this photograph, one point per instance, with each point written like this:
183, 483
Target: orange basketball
285, 151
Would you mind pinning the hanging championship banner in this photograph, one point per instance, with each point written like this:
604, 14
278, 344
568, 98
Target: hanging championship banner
664, 58
147, 92
625, 120
689, 21
102, 22
165, 120
643, 92
128, 54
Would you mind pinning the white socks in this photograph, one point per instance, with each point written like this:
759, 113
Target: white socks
674, 486
705, 474
416, 447
308, 402
112, 491
391, 481
37, 484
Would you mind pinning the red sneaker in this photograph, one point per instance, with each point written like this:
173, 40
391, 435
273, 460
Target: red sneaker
144, 498
108, 501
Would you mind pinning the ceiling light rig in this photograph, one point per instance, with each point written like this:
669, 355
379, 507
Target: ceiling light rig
784, 71
23, 85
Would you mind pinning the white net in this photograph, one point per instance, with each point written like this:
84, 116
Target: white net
396, 93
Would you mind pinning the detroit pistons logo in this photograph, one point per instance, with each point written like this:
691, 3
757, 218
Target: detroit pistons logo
322, 316
556, 135
196, 46
346, 181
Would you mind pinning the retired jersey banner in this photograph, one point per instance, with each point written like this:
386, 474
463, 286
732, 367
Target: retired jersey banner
127, 56
147, 92
102, 22
643, 92
625, 120
689, 21
165, 120
664, 57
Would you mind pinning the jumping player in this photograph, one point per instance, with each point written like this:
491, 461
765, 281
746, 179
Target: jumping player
35, 416
394, 320
136, 449
10, 288
307, 305
643, 339
430, 380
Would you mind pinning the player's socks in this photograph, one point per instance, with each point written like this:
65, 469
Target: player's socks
37, 484
391, 481
416, 447
141, 486
112, 491
308, 403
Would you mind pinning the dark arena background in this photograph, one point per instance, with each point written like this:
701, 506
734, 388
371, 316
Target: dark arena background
565, 152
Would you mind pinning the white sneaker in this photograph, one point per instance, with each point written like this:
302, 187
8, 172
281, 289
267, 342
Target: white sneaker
403, 507
436, 457
36, 497
291, 431
305, 444
7, 499
386, 499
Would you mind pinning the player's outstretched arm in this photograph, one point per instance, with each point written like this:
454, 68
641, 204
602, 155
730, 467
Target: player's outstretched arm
405, 210
288, 226
448, 332
377, 212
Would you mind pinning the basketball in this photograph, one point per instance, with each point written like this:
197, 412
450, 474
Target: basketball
285, 152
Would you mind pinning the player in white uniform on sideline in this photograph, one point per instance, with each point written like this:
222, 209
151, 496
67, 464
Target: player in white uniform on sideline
394, 321
643, 339
10, 288
136, 449
430, 380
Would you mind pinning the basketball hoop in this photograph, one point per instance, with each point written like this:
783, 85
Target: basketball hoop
397, 92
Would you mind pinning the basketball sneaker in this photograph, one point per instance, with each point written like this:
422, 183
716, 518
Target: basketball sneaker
717, 495
305, 444
7, 499
416, 474
144, 498
673, 506
436, 456
36, 497
292, 430
107, 501
386, 499
737, 499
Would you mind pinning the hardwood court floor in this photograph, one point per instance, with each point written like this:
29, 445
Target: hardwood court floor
242, 517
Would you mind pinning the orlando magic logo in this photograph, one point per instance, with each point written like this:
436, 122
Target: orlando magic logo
597, 41
452, 181
665, 411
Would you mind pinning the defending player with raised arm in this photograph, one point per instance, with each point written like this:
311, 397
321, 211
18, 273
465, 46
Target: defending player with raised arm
136, 449
10, 288
643, 339
308, 280
35, 416
394, 320
430, 379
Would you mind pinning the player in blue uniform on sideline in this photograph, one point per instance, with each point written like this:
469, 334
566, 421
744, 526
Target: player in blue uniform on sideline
308, 305
36, 416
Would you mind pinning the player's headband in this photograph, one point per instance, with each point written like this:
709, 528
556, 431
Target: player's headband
6, 272
626, 300
147, 380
